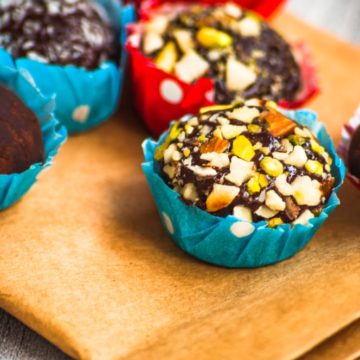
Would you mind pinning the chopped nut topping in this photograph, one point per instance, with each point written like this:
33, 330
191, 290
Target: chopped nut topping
221, 196
220, 167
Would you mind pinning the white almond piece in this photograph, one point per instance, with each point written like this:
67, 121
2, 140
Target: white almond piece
191, 67
238, 75
304, 218
244, 114
283, 186
249, 27
240, 171
243, 213
274, 202
215, 159
168, 153
202, 171
222, 120
189, 192
157, 24
184, 40
306, 191
253, 102
170, 171
176, 156
297, 157
152, 42
205, 130
232, 10
264, 212
231, 131
193, 121
286, 144
280, 155
221, 196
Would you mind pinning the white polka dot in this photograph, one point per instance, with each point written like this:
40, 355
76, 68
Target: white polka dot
242, 229
168, 223
81, 113
171, 91
210, 95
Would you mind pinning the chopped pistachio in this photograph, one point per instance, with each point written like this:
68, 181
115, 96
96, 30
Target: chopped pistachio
253, 185
186, 152
271, 166
316, 147
314, 167
206, 109
253, 128
274, 222
167, 57
243, 148
297, 140
213, 38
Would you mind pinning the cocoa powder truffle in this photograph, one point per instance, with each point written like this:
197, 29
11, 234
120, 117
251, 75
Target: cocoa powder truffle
61, 32
247, 160
243, 55
21, 143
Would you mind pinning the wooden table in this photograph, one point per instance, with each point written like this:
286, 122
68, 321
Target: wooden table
18, 342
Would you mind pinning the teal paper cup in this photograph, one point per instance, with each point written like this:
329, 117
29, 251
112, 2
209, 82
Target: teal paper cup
14, 186
228, 241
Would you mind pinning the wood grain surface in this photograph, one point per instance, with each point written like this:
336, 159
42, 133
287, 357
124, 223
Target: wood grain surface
18, 342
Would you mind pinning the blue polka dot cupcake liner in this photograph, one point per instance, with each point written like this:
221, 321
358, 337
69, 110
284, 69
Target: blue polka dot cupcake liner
84, 98
14, 186
230, 242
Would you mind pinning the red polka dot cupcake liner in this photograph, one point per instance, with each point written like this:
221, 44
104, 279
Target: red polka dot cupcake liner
347, 134
161, 97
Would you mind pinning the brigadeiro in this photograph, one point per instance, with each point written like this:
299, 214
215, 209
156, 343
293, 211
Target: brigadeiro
21, 143
250, 167
72, 48
30, 135
241, 54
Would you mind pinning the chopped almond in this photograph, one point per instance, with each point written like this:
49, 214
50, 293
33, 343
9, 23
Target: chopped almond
280, 125
221, 197
292, 211
215, 144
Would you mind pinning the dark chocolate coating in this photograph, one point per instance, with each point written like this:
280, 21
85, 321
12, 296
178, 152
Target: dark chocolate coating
61, 32
184, 173
354, 153
21, 143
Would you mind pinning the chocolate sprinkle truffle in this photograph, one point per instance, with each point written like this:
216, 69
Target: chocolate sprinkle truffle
238, 50
62, 32
247, 160
21, 143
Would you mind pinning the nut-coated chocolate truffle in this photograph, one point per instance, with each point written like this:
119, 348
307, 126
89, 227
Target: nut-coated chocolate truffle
61, 32
243, 55
21, 143
247, 160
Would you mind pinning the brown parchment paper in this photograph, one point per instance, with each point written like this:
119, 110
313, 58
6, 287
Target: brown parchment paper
85, 262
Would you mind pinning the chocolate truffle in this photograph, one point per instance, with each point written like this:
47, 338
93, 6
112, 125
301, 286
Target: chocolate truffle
61, 32
239, 51
354, 153
21, 143
247, 160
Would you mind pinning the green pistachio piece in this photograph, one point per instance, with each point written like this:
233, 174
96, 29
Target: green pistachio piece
213, 38
297, 140
243, 148
253, 128
274, 222
272, 166
314, 167
253, 185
